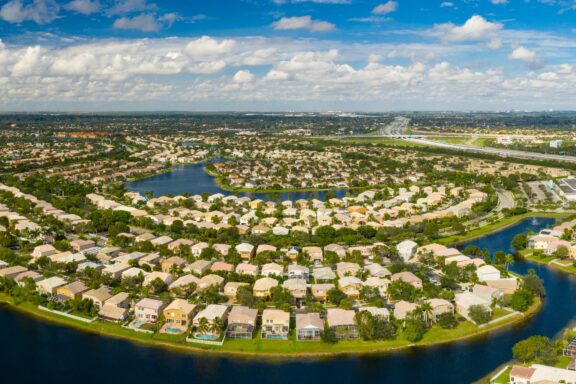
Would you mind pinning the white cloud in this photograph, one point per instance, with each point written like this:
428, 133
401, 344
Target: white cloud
525, 55
85, 7
122, 7
303, 22
207, 46
144, 23
475, 28
385, 8
243, 77
446, 4
495, 43
39, 11
499, 2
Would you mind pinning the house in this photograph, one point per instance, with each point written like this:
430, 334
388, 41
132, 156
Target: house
440, 307
314, 253
403, 308
272, 269
347, 269
231, 289
178, 314
407, 249
43, 250
48, 286
408, 277
172, 262
98, 296
247, 269
12, 272
377, 270
221, 266
147, 236
241, 322
487, 293
465, 300
211, 313
184, 281
209, 281
116, 308
263, 286
148, 310
337, 249
297, 287
80, 245
107, 254
538, 373
487, 272
27, 276
351, 286
160, 241
115, 270
199, 267
320, 291
275, 324
508, 285
296, 271
309, 326
323, 274
166, 278
197, 249
178, 244
341, 321
245, 251
374, 311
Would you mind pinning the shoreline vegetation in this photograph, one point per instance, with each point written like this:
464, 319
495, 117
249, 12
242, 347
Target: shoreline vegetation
292, 349
278, 350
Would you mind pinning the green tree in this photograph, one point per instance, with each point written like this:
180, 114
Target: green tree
447, 320
538, 349
479, 314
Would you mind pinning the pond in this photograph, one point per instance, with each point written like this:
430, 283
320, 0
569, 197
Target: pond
194, 180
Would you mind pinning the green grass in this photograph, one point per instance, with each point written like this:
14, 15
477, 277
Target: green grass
451, 139
500, 224
380, 140
480, 142
273, 348
504, 377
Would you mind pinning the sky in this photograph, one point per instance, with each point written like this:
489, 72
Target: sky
287, 55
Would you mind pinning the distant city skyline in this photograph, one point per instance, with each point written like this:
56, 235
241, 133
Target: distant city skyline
287, 55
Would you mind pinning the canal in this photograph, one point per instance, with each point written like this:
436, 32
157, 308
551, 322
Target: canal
36, 351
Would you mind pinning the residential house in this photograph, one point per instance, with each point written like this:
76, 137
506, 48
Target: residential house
98, 296
465, 300
351, 286
199, 267
320, 291
211, 313
148, 310
309, 326
231, 289
272, 269
275, 324
241, 322
487, 272
263, 286
296, 271
407, 249
403, 308
297, 287
245, 251
439, 307
48, 286
179, 314
538, 373
80, 245
209, 281
408, 277
247, 269
344, 269
341, 321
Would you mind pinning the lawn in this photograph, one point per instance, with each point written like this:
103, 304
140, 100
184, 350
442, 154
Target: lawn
504, 377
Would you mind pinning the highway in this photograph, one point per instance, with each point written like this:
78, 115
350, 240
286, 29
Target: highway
494, 151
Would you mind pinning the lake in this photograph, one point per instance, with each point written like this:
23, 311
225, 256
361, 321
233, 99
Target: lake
194, 180
56, 354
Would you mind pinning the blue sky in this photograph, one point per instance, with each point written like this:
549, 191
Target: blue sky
287, 55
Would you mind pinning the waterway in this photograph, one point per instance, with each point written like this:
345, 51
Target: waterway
194, 180
35, 351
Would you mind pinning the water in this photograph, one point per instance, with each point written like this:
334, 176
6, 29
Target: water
194, 180
63, 355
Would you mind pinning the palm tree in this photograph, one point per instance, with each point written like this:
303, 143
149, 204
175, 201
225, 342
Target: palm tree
216, 326
508, 260
426, 310
202, 326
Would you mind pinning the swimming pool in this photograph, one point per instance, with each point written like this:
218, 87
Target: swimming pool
203, 336
173, 330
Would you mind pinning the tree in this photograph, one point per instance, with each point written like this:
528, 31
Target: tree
328, 335
203, 326
561, 252
244, 296
401, 290
499, 257
479, 314
335, 296
447, 320
520, 241
426, 309
521, 300
535, 349
414, 327
372, 327
508, 260
533, 283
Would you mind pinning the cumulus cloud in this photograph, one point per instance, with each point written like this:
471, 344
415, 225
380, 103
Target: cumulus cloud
122, 7
525, 55
475, 28
499, 2
38, 11
446, 4
207, 47
303, 22
85, 7
243, 77
385, 8
146, 22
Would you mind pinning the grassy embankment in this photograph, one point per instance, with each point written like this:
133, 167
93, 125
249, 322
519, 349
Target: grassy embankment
270, 348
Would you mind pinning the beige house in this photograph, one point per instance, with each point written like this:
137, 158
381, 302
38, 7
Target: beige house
148, 310
275, 324
263, 286
179, 314
98, 296
241, 322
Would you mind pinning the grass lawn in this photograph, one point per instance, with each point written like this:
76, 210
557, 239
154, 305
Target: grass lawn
500, 224
504, 377
451, 139
380, 140
480, 142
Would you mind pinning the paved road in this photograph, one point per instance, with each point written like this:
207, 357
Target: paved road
494, 151
505, 200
